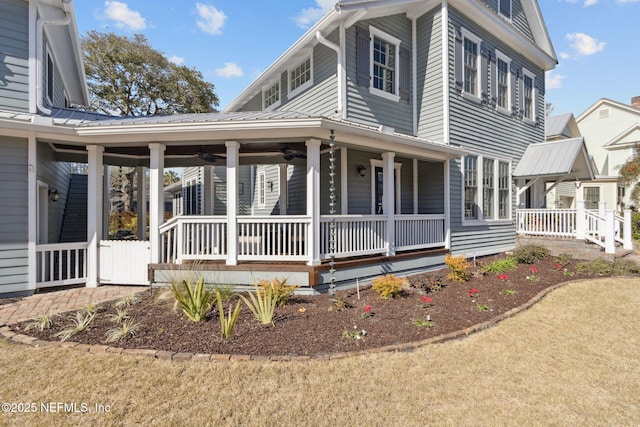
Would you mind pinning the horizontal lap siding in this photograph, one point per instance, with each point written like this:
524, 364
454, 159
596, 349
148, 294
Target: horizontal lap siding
430, 187
518, 18
14, 213
429, 77
324, 183
374, 110
484, 130
359, 187
57, 176
14, 55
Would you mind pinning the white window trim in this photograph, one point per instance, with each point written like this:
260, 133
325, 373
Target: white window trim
374, 32
398, 187
466, 34
262, 189
508, 18
534, 96
480, 189
504, 58
306, 85
266, 88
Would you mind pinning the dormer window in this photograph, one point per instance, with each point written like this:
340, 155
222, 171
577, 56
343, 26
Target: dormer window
301, 77
271, 96
505, 8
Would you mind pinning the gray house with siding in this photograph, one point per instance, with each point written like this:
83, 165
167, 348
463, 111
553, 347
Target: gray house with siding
384, 138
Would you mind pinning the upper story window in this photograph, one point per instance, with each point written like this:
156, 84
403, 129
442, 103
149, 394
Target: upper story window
271, 96
487, 183
300, 77
50, 78
382, 64
468, 70
528, 95
505, 8
502, 90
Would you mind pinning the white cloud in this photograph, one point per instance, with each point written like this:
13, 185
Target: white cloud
211, 19
553, 80
588, 3
307, 17
584, 45
230, 70
178, 60
123, 16
565, 55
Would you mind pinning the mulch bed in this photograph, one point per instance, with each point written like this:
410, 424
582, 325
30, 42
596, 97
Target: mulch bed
312, 325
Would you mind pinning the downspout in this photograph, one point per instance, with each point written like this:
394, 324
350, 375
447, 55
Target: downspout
39, 55
339, 68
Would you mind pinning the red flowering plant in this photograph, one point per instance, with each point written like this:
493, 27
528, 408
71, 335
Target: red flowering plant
473, 292
503, 276
368, 311
426, 301
533, 277
557, 266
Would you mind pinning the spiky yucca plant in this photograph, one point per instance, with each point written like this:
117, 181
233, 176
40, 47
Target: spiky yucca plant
262, 304
227, 323
193, 299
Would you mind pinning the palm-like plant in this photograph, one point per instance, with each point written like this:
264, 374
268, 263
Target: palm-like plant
262, 304
193, 299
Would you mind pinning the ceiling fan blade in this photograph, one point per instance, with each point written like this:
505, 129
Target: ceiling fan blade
203, 155
289, 154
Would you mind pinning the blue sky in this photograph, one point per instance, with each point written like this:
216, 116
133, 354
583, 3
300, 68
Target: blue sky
232, 41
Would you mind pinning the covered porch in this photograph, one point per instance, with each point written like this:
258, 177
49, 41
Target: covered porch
373, 200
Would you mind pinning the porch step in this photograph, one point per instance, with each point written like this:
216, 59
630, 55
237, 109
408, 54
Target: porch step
74, 222
578, 249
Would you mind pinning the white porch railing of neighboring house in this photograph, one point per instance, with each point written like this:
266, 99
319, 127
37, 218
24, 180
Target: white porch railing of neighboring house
602, 227
61, 264
285, 237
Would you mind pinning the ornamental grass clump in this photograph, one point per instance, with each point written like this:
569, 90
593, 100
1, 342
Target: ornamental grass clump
502, 265
42, 322
262, 304
193, 299
458, 268
388, 286
128, 328
80, 323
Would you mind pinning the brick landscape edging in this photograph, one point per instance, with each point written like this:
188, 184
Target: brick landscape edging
12, 336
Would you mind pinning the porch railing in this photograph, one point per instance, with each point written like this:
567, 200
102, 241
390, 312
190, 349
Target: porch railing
273, 237
603, 228
419, 231
59, 264
193, 238
355, 235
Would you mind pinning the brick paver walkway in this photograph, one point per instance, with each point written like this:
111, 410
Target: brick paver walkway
61, 301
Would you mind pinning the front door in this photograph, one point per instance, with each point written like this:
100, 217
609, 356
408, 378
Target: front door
379, 189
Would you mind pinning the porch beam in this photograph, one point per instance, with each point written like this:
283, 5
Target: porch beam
156, 198
313, 200
233, 150
527, 185
555, 184
388, 199
94, 212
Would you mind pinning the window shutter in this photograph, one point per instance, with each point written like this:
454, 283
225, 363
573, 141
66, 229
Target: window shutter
485, 54
363, 62
521, 94
459, 61
537, 96
405, 73
494, 78
513, 71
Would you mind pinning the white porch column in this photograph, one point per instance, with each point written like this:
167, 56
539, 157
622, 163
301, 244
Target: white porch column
94, 213
581, 221
447, 206
156, 198
313, 200
142, 202
106, 200
233, 149
626, 231
609, 234
602, 206
388, 200
344, 181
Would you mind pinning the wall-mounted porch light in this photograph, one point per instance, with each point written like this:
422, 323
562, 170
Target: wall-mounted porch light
362, 170
54, 195
270, 185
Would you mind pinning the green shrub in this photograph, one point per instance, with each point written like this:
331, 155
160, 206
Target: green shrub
625, 266
564, 259
635, 225
388, 286
528, 254
227, 323
262, 304
458, 268
193, 299
597, 266
501, 265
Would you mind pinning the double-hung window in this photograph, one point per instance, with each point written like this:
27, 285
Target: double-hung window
502, 90
300, 77
528, 95
591, 197
505, 8
271, 96
472, 73
487, 186
385, 63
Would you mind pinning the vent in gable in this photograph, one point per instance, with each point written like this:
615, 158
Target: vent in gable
603, 113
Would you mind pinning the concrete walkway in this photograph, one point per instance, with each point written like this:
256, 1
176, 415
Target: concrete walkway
59, 301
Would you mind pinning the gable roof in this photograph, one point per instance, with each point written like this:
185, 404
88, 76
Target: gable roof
554, 159
611, 103
562, 126
348, 12
629, 138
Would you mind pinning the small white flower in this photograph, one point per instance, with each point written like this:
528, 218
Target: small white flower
364, 332
428, 317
